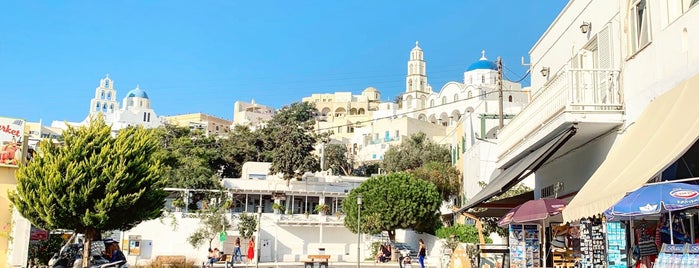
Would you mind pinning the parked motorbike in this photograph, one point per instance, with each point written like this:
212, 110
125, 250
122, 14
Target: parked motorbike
70, 256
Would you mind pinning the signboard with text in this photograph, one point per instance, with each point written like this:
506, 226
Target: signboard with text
11, 141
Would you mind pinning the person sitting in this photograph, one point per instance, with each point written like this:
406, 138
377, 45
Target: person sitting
386, 256
115, 253
211, 257
380, 254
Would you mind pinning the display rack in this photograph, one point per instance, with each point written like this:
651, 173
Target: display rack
593, 243
678, 256
524, 246
616, 245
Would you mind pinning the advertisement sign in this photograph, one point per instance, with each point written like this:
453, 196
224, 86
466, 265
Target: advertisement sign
11, 141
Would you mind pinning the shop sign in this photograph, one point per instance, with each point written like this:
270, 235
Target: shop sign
11, 141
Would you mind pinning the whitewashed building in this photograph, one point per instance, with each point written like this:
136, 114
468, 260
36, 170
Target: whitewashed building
134, 110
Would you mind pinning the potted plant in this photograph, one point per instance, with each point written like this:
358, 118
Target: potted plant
322, 209
279, 208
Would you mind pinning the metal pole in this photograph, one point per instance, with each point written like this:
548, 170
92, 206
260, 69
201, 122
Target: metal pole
257, 244
359, 229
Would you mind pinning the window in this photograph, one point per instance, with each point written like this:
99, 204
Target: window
410, 84
397, 134
431, 103
639, 35
509, 98
470, 94
456, 97
483, 79
144, 117
444, 100
675, 9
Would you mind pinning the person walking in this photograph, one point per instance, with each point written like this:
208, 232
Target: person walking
421, 253
251, 249
236, 250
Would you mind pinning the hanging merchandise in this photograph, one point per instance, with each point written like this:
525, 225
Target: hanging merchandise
593, 243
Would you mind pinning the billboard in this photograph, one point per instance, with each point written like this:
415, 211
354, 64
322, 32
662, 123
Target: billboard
11, 141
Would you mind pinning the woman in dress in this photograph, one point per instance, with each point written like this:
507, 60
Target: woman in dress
251, 249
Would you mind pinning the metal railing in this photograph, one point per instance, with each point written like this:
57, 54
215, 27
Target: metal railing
571, 90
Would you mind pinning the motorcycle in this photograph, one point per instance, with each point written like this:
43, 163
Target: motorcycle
70, 256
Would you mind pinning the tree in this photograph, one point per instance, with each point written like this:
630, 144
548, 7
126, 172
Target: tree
191, 159
93, 182
413, 153
212, 222
461, 233
443, 175
247, 225
490, 225
289, 135
243, 145
338, 158
393, 201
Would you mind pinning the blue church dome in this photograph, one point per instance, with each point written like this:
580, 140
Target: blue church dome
137, 92
483, 64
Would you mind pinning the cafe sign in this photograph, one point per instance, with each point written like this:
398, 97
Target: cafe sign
11, 141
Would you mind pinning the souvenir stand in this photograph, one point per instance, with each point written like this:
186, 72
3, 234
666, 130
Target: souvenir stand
524, 246
593, 243
616, 245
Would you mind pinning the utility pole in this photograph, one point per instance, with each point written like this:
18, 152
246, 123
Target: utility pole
499, 84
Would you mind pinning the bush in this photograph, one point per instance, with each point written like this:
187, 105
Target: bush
461, 233
156, 264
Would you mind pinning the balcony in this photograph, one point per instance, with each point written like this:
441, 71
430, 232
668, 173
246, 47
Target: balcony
589, 97
311, 219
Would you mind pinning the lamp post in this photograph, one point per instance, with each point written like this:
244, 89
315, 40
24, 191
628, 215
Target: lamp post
257, 245
359, 229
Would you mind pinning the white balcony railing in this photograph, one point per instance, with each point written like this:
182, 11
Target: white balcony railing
309, 219
571, 90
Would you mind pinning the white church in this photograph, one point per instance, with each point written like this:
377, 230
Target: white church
134, 110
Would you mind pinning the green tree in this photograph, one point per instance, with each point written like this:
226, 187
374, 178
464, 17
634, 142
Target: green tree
393, 201
413, 152
490, 224
290, 138
213, 221
191, 159
445, 176
247, 225
460, 233
93, 182
339, 159
243, 145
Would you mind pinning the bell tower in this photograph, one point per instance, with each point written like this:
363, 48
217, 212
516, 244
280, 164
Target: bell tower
105, 98
416, 80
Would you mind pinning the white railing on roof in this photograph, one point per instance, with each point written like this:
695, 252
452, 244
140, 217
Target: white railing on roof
571, 90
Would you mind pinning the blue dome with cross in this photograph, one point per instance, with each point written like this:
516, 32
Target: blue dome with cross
483, 64
137, 92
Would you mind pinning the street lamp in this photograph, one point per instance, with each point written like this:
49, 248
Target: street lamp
359, 230
257, 245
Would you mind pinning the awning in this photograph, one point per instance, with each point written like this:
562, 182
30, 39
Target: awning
663, 132
498, 208
520, 170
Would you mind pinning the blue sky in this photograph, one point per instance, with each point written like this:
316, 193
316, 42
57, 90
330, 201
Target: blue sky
202, 56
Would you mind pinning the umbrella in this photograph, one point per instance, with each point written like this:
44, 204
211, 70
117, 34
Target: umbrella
533, 211
654, 199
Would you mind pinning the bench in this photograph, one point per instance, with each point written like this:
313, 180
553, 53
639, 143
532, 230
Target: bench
170, 260
226, 260
322, 261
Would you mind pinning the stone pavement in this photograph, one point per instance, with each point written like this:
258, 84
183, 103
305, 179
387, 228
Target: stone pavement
365, 264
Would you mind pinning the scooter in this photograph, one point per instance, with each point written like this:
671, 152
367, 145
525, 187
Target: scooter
70, 256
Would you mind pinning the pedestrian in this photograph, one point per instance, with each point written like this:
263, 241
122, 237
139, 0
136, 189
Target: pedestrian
251, 249
236, 250
421, 253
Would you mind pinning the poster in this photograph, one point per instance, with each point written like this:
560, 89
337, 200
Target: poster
524, 246
11, 141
